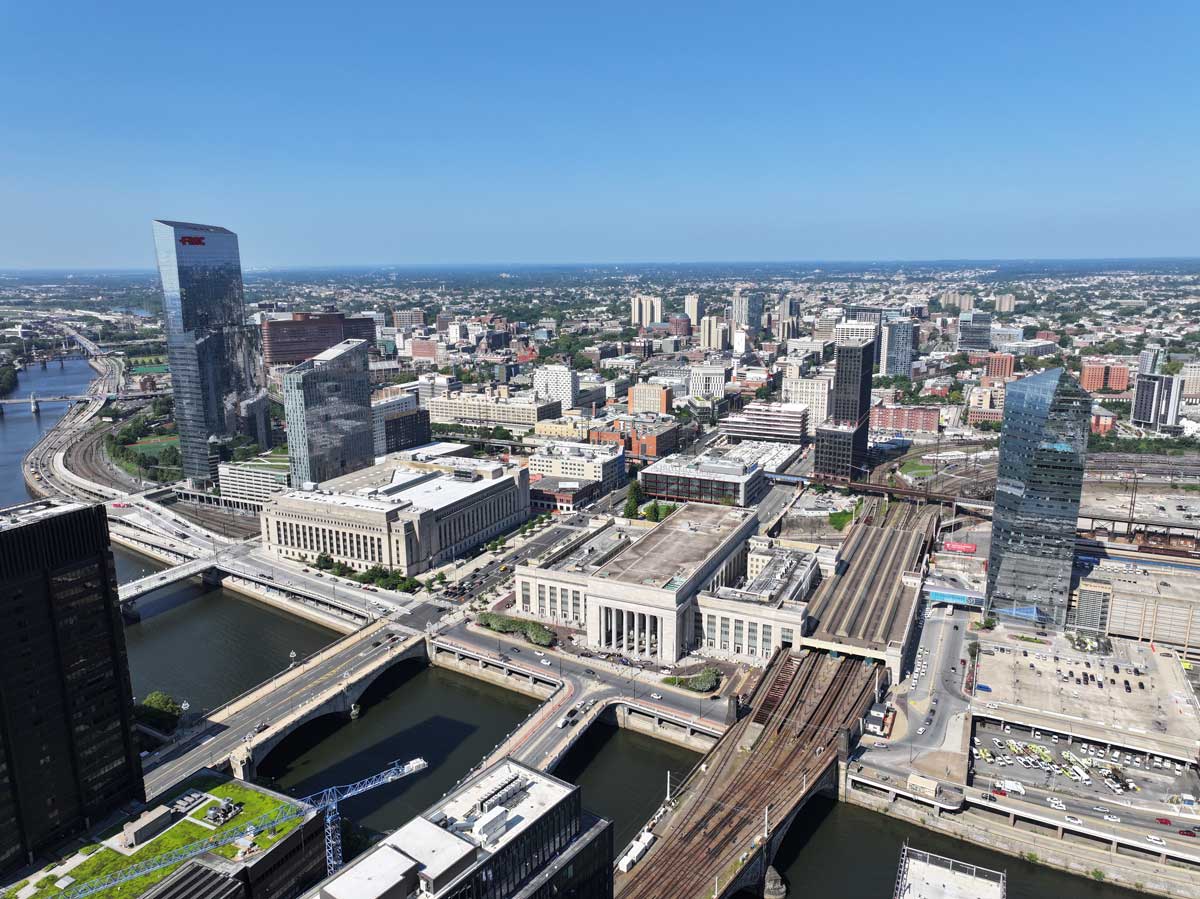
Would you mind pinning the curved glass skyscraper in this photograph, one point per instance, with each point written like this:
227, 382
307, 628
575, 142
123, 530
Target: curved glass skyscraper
212, 353
1040, 478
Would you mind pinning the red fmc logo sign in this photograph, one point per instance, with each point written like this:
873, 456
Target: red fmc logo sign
190, 241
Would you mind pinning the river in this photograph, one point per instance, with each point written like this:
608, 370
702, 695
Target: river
211, 645
20, 429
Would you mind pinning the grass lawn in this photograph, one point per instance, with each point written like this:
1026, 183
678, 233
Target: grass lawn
150, 369
839, 520
107, 861
154, 445
916, 467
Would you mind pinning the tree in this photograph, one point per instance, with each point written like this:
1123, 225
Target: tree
163, 702
324, 561
654, 513
633, 501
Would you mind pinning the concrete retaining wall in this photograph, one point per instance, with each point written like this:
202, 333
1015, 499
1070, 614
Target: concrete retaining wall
1074, 858
667, 731
491, 674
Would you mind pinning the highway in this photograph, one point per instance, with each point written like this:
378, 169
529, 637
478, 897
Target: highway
585, 679
211, 742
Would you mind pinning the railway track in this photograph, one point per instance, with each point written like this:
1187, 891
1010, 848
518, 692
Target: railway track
725, 809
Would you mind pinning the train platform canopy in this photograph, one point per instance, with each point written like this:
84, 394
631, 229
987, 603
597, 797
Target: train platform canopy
867, 607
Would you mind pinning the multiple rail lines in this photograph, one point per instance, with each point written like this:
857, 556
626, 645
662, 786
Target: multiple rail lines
866, 603
720, 814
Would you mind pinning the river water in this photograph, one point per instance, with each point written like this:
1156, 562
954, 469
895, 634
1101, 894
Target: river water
209, 645
20, 429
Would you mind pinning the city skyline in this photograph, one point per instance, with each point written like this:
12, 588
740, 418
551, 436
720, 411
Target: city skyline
538, 135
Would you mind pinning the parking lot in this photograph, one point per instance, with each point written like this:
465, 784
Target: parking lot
1092, 771
1132, 697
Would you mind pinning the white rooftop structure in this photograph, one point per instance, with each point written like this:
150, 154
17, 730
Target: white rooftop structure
923, 875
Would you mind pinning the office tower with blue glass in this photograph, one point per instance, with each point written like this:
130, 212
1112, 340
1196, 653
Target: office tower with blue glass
213, 355
974, 331
327, 401
1043, 445
896, 348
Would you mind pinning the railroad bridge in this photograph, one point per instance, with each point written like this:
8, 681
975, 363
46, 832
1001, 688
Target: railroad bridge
719, 833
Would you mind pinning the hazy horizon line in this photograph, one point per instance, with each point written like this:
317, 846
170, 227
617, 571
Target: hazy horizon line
621, 264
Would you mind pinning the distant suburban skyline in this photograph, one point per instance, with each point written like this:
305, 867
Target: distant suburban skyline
538, 133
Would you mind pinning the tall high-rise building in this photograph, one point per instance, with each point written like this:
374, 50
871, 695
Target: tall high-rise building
896, 348
1156, 402
67, 753
645, 310
557, 382
841, 451
813, 393
327, 400
747, 311
974, 331
212, 353
849, 331
1006, 302
1043, 444
694, 307
714, 333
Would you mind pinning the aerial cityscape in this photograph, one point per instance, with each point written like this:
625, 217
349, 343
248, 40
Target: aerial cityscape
342, 559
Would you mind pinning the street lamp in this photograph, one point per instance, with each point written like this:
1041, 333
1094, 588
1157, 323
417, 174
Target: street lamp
292, 658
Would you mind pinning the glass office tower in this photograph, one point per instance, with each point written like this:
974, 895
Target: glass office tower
1042, 449
212, 354
328, 405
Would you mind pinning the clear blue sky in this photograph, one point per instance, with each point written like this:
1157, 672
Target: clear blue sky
338, 133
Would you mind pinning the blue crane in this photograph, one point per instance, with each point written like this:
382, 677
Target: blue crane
325, 801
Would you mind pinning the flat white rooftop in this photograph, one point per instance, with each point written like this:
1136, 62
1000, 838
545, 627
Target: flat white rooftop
24, 513
924, 875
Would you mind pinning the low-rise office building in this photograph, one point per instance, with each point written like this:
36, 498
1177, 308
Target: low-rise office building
508, 832
487, 410
249, 484
405, 514
398, 421
550, 493
711, 477
603, 463
785, 422
645, 436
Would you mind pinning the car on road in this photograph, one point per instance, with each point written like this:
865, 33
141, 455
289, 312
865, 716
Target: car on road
1157, 841
547, 662
920, 730
1187, 833
319, 574
538, 653
516, 649
1115, 819
589, 672
1071, 819
656, 696
1166, 822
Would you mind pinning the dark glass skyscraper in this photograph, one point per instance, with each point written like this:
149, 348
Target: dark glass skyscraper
212, 353
1042, 448
841, 442
67, 755
328, 405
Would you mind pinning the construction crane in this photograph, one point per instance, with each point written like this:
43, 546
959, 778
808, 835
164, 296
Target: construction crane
325, 801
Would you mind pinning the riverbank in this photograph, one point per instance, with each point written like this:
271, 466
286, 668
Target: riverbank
242, 587
1074, 858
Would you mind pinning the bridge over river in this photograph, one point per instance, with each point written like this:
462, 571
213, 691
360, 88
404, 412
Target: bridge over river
722, 828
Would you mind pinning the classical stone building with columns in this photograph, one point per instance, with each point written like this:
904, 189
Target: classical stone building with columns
633, 588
